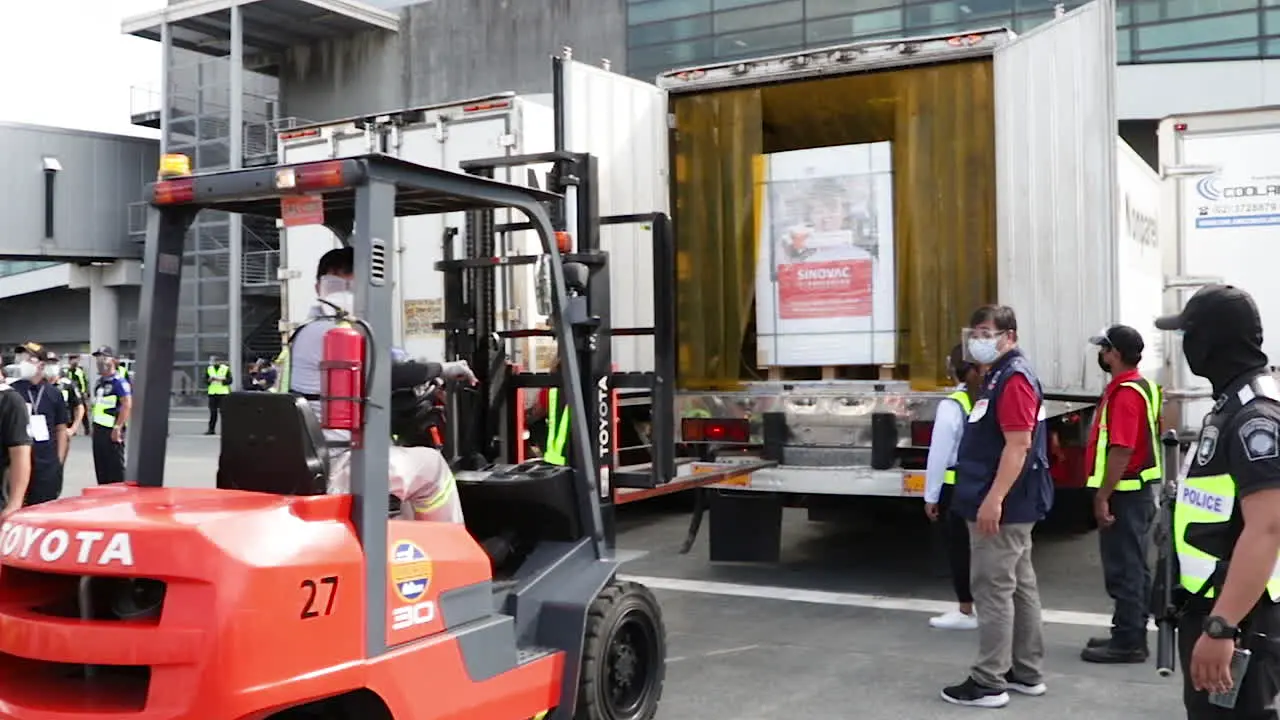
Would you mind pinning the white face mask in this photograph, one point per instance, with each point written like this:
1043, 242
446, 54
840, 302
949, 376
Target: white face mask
984, 350
52, 371
330, 284
27, 370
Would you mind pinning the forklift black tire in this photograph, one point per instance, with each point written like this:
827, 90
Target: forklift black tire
624, 656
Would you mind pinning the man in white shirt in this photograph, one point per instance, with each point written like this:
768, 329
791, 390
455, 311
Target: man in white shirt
419, 476
948, 427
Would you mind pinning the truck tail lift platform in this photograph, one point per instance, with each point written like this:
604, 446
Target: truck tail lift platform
268, 598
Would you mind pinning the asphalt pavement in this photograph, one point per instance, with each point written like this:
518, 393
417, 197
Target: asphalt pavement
838, 628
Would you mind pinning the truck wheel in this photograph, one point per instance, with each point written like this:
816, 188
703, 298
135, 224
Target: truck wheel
624, 657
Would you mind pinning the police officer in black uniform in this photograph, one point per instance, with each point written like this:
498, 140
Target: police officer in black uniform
1227, 519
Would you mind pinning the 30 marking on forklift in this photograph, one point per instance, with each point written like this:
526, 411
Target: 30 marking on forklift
821, 597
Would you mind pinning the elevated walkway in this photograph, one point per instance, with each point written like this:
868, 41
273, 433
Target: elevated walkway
270, 26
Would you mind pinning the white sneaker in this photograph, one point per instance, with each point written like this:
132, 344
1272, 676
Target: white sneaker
954, 620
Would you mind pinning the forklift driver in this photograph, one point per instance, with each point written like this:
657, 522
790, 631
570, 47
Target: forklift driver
419, 476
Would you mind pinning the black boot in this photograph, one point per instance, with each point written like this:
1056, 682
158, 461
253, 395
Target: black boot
1109, 654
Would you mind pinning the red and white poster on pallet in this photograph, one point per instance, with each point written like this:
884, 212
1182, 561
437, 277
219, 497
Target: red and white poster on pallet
825, 274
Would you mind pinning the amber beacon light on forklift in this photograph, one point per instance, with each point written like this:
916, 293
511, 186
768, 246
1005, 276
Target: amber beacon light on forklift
269, 597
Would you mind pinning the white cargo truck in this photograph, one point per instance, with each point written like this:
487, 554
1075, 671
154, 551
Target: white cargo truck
1071, 245
632, 172
1221, 202
438, 136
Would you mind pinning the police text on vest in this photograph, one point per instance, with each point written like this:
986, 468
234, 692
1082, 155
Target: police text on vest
1207, 501
87, 547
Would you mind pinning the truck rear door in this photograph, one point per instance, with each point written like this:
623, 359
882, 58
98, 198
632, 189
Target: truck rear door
1056, 191
623, 122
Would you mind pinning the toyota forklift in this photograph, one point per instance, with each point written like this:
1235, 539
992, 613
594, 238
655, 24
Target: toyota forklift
267, 598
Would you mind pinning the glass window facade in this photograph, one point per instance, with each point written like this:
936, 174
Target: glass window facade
666, 34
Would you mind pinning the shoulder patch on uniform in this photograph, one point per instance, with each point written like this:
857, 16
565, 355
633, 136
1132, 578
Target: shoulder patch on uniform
125, 386
1207, 445
1260, 437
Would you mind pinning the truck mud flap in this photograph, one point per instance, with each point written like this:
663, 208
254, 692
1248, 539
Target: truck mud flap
745, 526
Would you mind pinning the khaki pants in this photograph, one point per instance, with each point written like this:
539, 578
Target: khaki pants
1007, 602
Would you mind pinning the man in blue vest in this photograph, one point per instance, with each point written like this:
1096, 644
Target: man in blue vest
1003, 489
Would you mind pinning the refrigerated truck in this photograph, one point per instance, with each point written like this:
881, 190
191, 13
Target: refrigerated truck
438, 136
1221, 203
1045, 210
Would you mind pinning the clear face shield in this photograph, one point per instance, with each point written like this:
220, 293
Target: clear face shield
981, 345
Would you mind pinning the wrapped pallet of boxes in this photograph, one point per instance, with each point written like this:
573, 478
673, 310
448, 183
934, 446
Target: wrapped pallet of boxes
825, 259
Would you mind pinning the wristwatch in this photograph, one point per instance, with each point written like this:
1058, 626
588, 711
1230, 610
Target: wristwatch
1219, 629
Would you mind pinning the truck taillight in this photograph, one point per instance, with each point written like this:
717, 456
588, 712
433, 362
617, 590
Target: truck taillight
312, 176
715, 430
921, 433
174, 192
482, 107
1180, 127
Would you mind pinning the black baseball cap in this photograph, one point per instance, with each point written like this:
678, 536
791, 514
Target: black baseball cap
1226, 308
105, 351
50, 356
1121, 337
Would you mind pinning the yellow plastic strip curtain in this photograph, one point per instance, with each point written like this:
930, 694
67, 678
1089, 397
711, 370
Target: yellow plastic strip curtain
718, 138
945, 214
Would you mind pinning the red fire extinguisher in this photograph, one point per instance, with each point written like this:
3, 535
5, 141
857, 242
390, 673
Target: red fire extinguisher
342, 380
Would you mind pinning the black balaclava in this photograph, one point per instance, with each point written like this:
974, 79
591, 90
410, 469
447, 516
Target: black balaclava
1225, 347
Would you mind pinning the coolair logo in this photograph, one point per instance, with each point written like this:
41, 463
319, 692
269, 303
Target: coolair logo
1212, 189
840, 273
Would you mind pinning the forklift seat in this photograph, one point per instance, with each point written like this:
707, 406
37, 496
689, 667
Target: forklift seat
272, 443
535, 500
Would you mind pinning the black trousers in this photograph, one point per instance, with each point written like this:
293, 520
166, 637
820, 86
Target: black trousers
46, 483
956, 539
1125, 570
1257, 698
215, 407
108, 457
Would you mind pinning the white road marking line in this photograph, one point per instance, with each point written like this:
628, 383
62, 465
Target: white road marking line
730, 651
822, 597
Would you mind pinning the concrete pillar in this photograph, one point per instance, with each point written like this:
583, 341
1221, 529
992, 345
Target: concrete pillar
104, 310
166, 59
236, 229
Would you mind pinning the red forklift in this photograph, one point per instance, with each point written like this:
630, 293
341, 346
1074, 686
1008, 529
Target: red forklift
268, 597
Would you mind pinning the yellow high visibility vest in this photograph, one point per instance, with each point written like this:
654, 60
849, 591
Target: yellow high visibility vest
282, 371
557, 430
218, 379
103, 404
966, 404
1206, 500
1150, 393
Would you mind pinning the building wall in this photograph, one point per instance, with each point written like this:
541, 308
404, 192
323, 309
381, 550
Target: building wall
59, 319
450, 50
101, 175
